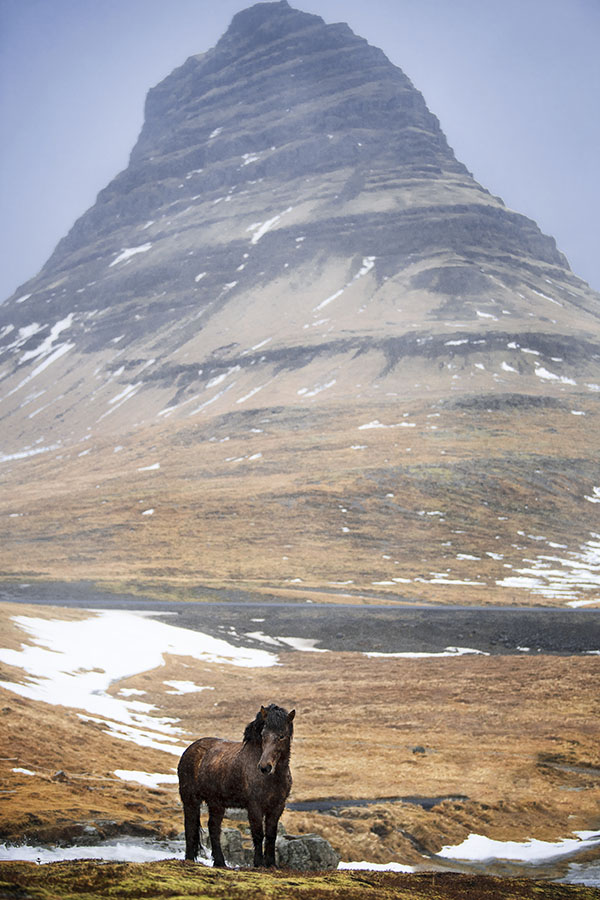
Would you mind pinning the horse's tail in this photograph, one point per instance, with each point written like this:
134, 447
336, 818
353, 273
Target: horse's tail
187, 772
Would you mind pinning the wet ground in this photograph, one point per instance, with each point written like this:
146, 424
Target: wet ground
377, 629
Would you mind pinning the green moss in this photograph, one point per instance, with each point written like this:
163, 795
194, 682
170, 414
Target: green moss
93, 880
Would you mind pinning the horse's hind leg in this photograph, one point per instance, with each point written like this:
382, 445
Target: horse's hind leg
215, 818
191, 819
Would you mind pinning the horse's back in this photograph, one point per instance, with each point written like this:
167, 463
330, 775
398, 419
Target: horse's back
189, 766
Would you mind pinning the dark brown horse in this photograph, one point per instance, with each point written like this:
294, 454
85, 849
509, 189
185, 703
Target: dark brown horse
253, 775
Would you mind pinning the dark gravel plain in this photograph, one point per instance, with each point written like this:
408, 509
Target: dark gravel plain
366, 628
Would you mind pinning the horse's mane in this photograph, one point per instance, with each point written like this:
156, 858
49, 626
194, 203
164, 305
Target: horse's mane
275, 719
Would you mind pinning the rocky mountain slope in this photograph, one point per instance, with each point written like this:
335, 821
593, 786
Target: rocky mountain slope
295, 345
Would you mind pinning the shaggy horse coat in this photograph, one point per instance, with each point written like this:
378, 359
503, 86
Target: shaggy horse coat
253, 774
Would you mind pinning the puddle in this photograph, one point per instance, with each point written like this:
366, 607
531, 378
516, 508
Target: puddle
332, 804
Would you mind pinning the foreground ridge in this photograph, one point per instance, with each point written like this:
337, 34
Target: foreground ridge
91, 879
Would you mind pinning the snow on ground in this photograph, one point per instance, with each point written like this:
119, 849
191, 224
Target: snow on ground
449, 651
23, 334
237, 459
57, 354
262, 343
367, 264
128, 252
250, 158
148, 779
259, 229
557, 577
317, 389
252, 392
545, 375
305, 645
186, 687
30, 451
122, 397
47, 344
546, 297
377, 424
477, 848
213, 399
376, 867
125, 394
75, 663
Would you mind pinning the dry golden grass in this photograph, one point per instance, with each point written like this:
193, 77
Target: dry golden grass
309, 511
516, 738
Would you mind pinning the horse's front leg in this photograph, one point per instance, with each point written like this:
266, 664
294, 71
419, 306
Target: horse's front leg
255, 819
215, 818
271, 821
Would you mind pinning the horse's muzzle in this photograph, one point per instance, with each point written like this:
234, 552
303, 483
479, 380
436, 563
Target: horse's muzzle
266, 770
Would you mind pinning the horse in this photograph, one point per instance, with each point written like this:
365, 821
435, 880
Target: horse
253, 774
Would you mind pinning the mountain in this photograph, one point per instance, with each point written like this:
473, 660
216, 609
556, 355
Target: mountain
296, 348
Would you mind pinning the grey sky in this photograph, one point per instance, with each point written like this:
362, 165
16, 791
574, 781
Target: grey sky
515, 84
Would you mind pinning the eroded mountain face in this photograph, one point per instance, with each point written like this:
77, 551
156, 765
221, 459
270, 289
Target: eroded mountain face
294, 261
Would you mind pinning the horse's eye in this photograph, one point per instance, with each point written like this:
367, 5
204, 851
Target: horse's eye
282, 737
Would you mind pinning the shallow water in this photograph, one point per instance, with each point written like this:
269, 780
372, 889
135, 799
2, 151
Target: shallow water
121, 850
583, 873
139, 851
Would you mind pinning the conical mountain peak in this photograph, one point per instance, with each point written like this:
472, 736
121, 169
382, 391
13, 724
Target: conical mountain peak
265, 22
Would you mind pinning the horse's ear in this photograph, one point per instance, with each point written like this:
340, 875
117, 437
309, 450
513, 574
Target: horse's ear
263, 712
291, 715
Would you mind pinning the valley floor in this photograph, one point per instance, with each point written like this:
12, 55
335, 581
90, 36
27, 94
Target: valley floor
418, 751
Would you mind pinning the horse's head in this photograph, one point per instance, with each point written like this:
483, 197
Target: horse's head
275, 727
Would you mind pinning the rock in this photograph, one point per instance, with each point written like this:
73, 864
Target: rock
306, 852
60, 776
233, 848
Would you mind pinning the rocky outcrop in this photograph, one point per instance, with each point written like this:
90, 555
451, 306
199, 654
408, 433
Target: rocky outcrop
306, 852
303, 852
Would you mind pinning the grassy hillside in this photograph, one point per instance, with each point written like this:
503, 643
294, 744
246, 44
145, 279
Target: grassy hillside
414, 500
